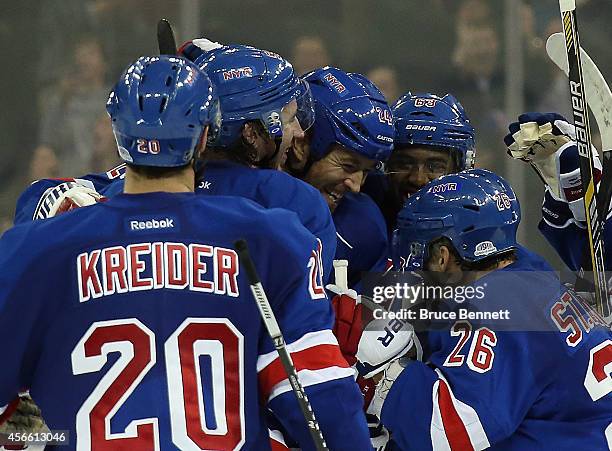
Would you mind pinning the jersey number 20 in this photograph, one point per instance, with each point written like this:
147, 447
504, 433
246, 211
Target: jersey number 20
216, 338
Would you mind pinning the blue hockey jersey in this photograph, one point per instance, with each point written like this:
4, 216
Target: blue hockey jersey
540, 382
274, 189
133, 326
268, 188
362, 236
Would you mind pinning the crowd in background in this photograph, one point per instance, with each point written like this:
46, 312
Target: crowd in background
61, 56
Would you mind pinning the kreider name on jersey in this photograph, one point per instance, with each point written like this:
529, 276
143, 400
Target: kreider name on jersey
152, 266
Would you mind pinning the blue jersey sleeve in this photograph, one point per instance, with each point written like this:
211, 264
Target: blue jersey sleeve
569, 237
507, 387
468, 408
308, 204
25, 307
362, 236
36, 201
274, 189
305, 317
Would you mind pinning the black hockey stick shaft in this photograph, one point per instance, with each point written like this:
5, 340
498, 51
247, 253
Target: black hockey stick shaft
274, 331
583, 141
165, 38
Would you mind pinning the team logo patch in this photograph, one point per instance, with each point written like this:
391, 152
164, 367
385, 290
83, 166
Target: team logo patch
335, 84
429, 103
239, 72
443, 188
484, 248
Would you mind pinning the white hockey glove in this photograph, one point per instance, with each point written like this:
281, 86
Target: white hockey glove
547, 142
382, 343
382, 388
75, 197
68, 195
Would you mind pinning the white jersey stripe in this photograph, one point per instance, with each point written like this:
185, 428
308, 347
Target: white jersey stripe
310, 377
469, 417
309, 340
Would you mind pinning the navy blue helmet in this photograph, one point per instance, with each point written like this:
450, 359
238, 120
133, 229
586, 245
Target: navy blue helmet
432, 121
351, 111
159, 109
476, 210
253, 85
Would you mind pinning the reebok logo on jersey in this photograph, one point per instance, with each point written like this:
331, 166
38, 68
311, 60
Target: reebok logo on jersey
152, 224
205, 184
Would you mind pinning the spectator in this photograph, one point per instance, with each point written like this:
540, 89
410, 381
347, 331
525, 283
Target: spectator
70, 113
385, 78
105, 148
309, 53
479, 79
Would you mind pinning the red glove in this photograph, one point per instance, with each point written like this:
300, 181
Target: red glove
348, 326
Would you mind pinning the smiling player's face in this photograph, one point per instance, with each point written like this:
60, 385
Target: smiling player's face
409, 169
339, 172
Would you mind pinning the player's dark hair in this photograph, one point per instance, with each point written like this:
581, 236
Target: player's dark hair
486, 263
241, 151
156, 172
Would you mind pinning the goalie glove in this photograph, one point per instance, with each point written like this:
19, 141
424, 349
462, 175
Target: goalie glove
547, 142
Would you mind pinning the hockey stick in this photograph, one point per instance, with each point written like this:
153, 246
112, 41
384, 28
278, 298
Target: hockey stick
597, 91
165, 38
267, 315
583, 141
599, 99
341, 280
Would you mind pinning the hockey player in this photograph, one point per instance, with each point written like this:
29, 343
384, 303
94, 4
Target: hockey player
262, 109
352, 136
532, 380
139, 330
548, 143
433, 137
